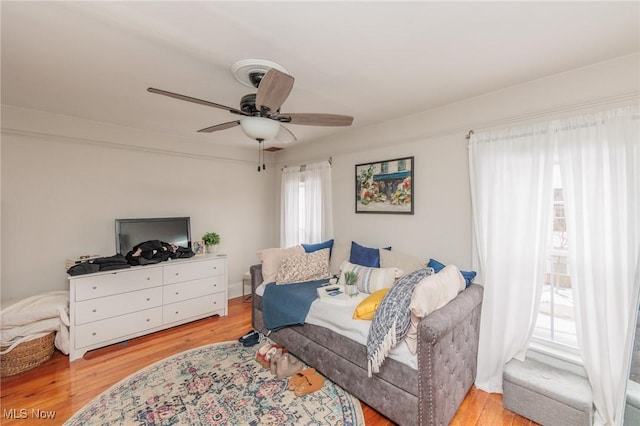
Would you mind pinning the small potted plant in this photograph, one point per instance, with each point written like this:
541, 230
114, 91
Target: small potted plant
211, 240
350, 278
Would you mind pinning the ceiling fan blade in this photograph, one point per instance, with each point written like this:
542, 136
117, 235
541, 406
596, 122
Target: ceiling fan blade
273, 90
194, 100
312, 119
222, 126
285, 136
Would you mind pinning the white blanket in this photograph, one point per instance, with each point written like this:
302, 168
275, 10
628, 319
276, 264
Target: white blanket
34, 317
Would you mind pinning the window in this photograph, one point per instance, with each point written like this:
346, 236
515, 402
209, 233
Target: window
301, 214
556, 321
306, 214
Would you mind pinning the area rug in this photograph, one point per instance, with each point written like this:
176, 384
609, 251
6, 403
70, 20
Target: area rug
218, 384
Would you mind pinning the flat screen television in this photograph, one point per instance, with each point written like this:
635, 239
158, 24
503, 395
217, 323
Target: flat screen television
131, 232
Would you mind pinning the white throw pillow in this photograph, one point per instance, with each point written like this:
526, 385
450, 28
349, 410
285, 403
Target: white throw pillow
406, 262
370, 279
339, 254
304, 267
431, 293
271, 259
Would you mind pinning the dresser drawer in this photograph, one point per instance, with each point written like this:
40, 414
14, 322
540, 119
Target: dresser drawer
188, 290
193, 307
193, 270
118, 304
113, 328
123, 281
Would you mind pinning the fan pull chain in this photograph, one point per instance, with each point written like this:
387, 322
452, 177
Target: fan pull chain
260, 153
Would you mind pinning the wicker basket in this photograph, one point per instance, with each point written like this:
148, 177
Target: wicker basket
27, 355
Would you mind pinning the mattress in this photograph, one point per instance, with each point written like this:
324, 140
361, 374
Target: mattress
339, 319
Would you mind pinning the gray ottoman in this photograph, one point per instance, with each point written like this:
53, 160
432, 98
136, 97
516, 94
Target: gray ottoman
632, 409
547, 395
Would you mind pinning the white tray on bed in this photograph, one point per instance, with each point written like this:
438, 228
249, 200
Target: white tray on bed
340, 299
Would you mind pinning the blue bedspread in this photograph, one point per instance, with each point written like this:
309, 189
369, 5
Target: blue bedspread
289, 304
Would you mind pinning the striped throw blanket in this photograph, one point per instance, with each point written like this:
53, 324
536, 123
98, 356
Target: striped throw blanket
392, 319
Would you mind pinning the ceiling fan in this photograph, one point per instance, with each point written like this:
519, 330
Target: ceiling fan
260, 116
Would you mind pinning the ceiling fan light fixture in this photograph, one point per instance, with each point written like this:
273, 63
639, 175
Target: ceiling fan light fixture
259, 127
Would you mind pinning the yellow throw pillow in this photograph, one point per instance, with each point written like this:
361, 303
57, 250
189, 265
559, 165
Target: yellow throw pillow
367, 308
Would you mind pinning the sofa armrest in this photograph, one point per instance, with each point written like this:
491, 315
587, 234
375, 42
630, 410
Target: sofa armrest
447, 355
442, 321
256, 276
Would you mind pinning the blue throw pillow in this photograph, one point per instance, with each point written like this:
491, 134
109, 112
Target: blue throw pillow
468, 275
364, 256
310, 248
437, 266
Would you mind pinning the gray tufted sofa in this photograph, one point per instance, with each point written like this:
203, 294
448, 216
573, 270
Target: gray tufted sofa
447, 353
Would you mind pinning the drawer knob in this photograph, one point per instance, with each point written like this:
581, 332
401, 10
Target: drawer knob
176, 312
148, 320
94, 310
148, 299
94, 287
177, 273
148, 278
93, 333
177, 292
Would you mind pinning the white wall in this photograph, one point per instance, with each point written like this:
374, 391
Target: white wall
61, 194
65, 180
441, 226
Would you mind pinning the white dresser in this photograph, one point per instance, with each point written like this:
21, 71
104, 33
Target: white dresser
110, 307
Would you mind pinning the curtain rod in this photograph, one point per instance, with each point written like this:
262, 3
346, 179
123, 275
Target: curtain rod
548, 119
304, 166
562, 128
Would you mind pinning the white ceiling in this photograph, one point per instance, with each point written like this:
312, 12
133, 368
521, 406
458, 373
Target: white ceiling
373, 60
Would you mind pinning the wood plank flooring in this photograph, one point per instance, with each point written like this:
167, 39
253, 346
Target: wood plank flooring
59, 388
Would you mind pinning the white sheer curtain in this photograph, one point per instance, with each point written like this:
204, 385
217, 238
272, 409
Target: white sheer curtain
511, 180
600, 165
306, 206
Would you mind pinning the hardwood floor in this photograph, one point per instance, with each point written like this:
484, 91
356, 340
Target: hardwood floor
57, 389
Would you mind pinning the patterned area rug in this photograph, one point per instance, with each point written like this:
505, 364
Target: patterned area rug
218, 384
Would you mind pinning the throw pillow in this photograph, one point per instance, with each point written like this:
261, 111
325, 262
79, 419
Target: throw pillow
432, 293
468, 275
271, 259
304, 267
310, 248
365, 256
339, 254
370, 279
367, 308
400, 260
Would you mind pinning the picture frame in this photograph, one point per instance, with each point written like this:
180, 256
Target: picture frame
385, 187
198, 247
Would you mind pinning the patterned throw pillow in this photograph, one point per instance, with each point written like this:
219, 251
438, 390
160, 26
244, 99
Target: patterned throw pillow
304, 267
370, 279
271, 259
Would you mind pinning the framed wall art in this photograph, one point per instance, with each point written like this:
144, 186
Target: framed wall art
385, 186
198, 247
